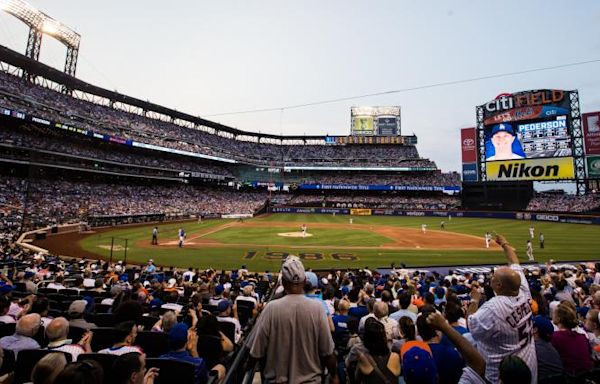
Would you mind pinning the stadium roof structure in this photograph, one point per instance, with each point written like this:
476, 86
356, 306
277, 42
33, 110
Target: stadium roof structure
35, 68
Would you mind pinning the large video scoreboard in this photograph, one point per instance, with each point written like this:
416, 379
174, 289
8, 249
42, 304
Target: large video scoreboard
526, 136
375, 121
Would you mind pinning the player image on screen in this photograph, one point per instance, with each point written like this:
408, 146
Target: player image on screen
503, 144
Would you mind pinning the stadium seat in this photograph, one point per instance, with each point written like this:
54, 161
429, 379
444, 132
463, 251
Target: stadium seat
104, 359
46, 291
148, 322
69, 292
244, 311
8, 362
104, 319
210, 308
90, 293
154, 344
76, 333
27, 359
7, 329
102, 308
210, 349
228, 330
103, 338
169, 369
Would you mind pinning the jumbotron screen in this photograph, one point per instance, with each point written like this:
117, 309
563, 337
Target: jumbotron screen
375, 121
527, 136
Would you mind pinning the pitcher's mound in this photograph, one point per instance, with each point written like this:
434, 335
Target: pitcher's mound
293, 234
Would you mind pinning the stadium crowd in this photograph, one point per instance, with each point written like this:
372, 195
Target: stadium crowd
48, 104
436, 179
564, 203
391, 201
506, 324
52, 202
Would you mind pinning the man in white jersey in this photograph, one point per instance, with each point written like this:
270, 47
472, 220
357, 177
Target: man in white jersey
531, 231
488, 238
304, 228
424, 228
529, 250
503, 325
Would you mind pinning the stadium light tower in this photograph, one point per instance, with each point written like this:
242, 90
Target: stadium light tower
39, 24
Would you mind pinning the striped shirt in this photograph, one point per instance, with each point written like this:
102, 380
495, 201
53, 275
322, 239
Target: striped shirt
118, 351
67, 346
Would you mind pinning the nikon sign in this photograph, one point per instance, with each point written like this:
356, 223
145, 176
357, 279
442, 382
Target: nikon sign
531, 169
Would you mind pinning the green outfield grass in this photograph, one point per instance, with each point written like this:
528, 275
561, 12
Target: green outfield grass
563, 242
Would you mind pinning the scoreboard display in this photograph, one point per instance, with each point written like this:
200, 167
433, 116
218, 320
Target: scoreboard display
375, 121
546, 138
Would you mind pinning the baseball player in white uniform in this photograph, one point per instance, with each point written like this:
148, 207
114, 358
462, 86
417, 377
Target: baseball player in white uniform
488, 238
503, 325
351, 220
304, 228
529, 250
531, 231
424, 228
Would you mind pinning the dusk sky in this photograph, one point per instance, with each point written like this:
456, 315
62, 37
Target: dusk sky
208, 58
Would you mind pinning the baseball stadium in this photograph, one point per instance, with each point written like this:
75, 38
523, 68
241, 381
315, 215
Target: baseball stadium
141, 243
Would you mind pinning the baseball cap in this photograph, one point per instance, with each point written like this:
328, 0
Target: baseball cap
223, 305
178, 334
345, 290
78, 306
172, 282
543, 325
503, 127
6, 289
156, 303
312, 278
418, 365
292, 270
219, 289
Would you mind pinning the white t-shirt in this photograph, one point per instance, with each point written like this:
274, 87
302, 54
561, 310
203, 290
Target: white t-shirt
503, 326
469, 376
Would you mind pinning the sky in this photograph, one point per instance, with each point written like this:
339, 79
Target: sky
208, 58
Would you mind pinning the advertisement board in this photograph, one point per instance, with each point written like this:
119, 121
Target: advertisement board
593, 167
387, 126
362, 126
469, 172
468, 144
531, 169
591, 133
527, 136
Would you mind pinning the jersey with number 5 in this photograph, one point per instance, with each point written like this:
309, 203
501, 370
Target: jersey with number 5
503, 326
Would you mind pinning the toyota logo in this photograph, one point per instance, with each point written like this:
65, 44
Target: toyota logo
468, 142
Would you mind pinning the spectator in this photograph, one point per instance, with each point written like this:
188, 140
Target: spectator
57, 283
592, 325
57, 332
404, 300
130, 368
224, 315
4, 308
76, 311
380, 310
85, 372
504, 321
40, 306
301, 325
449, 364
572, 346
377, 364
125, 337
453, 312
26, 328
182, 347
47, 369
165, 323
549, 362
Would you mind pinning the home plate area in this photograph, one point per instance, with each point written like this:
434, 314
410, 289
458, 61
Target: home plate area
294, 234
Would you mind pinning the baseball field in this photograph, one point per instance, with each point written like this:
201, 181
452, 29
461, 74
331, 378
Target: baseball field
331, 241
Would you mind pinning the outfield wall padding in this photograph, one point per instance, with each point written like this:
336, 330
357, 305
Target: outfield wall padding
532, 216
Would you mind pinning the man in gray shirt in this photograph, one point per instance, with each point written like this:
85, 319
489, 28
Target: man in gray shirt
293, 335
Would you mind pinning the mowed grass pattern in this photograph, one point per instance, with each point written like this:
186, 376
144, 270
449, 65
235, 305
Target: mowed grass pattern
564, 242
320, 236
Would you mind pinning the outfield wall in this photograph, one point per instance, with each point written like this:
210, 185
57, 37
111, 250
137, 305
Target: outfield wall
534, 216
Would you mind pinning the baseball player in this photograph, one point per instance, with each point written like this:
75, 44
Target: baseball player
529, 250
531, 231
542, 240
503, 325
443, 225
351, 220
155, 236
488, 238
181, 234
424, 228
303, 230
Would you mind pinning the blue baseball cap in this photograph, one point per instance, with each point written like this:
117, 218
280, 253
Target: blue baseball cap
503, 127
418, 366
543, 325
178, 334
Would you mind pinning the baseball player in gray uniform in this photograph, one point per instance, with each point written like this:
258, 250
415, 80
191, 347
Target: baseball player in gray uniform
503, 325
